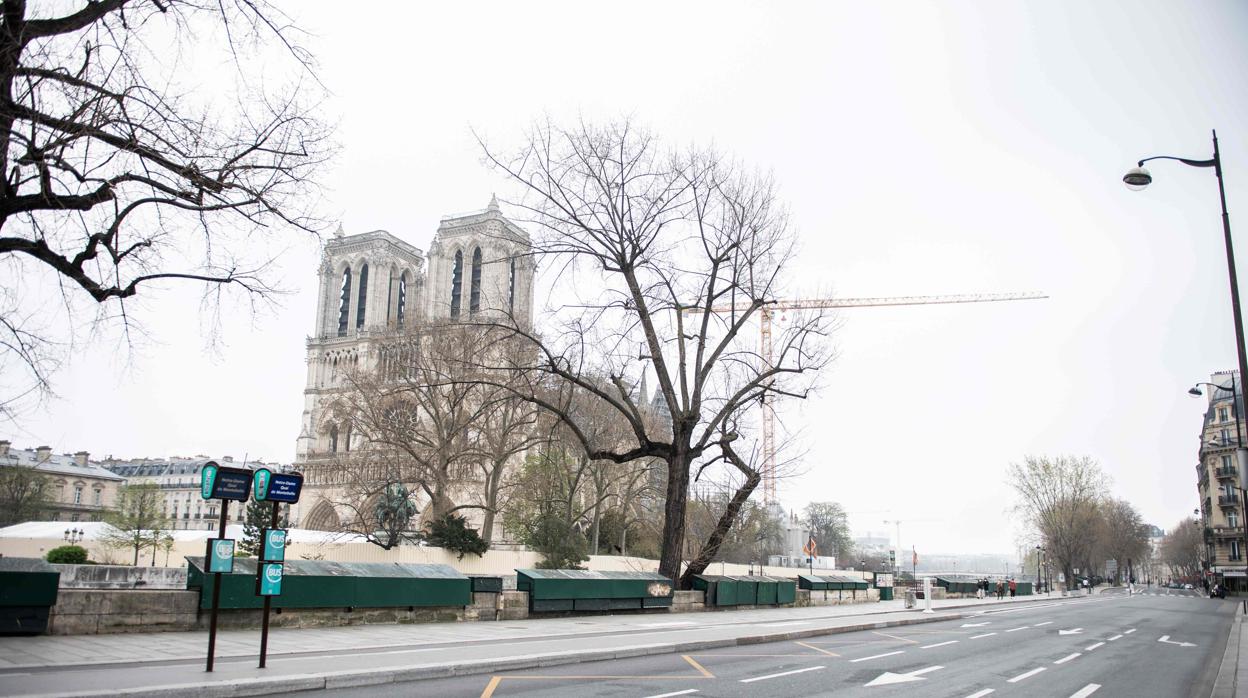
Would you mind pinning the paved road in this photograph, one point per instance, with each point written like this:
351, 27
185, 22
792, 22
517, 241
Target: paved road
1164, 643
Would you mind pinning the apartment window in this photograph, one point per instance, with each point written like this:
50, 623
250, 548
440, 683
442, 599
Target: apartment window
1235, 550
77, 496
1226, 462
1223, 415
74, 516
1232, 519
1226, 436
98, 498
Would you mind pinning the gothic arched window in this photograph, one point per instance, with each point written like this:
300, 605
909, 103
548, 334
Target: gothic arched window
511, 288
344, 307
474, 293
402, 297
359, 312
333, 439
346, 439
457, 282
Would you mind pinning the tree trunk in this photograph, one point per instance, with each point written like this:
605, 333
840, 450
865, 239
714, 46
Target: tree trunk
711, 547
674, 513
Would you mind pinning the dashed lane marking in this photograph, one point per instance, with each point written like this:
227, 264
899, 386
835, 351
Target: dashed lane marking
1116, 637
1047, 622
1086, 691
1068, 657
1014, 630
1128, 632
981, 694
938, 644
783, 673
1026, 675
976, 637
1089, 648
877, 656
675, 693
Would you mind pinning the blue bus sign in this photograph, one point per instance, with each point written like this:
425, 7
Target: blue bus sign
269, 579
274, 548
232, 483
220, 555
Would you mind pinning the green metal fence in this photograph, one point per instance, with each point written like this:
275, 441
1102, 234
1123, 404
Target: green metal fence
583, 590
27, 594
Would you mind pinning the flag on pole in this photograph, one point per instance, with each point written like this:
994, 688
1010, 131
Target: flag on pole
915, 555
811, 548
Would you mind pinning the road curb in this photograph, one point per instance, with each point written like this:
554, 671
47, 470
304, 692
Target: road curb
381, 676
1224, 684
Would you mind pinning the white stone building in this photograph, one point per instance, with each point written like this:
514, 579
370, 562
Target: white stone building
372, 285
79, 489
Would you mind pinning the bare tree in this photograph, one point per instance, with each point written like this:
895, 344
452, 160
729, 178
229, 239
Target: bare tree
1183, 548
376, 498
136, 520
663, 257
24, 494
117, 178
1123, 536
1059, 497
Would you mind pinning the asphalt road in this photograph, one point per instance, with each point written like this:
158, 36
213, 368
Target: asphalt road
1161, 643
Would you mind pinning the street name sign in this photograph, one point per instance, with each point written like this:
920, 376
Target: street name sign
225, 483
276, 487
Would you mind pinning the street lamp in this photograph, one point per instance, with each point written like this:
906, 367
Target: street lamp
73, 535
897, 558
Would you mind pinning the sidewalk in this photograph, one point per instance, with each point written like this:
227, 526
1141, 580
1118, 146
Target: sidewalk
1232, 677
310, 659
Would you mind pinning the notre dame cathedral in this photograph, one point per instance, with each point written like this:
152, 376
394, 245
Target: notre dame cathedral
374, 284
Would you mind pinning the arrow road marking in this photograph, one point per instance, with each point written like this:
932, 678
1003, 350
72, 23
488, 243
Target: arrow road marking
1025, 675
889, 677
1166, 639
974, 625
783, 673
877, 656
1073, 631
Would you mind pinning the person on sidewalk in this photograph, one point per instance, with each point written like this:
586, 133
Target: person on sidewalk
1013, 588
979, 589
1000, 589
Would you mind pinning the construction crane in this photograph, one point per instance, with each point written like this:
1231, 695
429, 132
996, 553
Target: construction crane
768, 311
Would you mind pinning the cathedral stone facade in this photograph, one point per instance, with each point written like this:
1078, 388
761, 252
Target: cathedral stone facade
372, 285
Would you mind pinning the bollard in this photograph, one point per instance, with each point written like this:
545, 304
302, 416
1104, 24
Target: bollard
927, 595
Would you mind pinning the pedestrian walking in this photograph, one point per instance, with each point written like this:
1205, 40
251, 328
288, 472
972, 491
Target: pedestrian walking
1013, 588
1000, 589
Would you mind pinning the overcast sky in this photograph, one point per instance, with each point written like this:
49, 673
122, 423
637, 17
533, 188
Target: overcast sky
923, 149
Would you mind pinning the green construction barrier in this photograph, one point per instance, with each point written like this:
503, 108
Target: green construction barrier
583, 590
27, 594
321, 584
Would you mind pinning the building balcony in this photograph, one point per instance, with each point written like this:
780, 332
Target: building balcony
1229, 471
1228, 500
1228, 531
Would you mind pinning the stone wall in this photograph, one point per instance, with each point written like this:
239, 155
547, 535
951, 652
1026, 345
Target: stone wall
806, 597
688, 601
99, 611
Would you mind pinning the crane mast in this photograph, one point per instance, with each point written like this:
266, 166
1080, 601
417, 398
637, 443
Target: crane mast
766, 348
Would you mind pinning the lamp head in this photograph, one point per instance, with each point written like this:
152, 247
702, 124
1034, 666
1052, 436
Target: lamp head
1195, 391
1137, 178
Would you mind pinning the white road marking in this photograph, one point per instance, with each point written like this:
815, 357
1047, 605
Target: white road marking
1166, 639
877, 656
973, 625
889, 677
1068, 657
1089, 648
981, 694
783, 673
675, 693
976, 637
1073, 631
1014, 630
938, 644
1047, 622
1025, 675
1119, 637
1128, 632
1086, 691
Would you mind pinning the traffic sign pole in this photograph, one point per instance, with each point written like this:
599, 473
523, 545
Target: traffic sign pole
268, 600
216, 588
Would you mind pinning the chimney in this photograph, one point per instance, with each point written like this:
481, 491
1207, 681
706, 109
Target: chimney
80, 458
4, 448
42, 454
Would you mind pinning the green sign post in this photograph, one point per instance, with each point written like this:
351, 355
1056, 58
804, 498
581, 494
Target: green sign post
275, 489
274, 545
220, 555
269, 581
